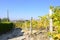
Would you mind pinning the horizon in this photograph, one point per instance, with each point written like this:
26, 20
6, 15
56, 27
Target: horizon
25, 9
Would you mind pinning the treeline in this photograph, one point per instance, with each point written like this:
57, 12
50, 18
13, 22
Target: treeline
4, 20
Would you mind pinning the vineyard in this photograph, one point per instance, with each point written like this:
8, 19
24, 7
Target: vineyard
38, 29
43, 23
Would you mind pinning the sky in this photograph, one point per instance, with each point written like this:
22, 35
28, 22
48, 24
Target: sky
25, 9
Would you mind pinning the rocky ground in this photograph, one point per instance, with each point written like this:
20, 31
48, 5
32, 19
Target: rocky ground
16, 34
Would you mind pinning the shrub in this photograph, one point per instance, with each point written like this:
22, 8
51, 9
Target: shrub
6, 27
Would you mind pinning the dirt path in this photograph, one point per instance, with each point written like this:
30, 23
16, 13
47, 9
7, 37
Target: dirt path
13, 34
16, 34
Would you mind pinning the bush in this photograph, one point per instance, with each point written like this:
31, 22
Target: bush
6, 27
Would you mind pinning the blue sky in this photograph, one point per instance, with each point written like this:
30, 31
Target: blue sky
24, 9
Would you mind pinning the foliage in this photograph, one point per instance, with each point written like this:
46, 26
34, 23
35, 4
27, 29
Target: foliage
34, 24
56, 18
44, 22
56, 36
6, 27
56, 22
